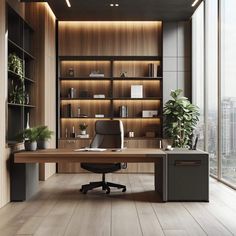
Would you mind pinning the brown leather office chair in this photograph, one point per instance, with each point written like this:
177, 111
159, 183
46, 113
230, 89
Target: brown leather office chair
109, 134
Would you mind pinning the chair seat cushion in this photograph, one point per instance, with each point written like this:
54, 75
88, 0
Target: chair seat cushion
101, 168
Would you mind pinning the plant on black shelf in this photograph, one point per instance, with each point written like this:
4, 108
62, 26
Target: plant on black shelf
17, 94
15, 64
181, 118
83, 128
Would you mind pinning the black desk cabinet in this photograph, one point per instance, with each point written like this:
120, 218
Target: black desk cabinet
188, 175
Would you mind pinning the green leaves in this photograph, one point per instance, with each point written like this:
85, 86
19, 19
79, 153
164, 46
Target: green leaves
181, 118
35, 134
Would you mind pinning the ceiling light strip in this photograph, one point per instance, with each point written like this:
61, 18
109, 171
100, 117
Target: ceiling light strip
68, 3
194, 3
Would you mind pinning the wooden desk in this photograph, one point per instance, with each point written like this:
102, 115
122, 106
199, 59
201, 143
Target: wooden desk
156, 156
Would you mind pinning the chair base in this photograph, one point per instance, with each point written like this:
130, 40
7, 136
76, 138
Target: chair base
105, 186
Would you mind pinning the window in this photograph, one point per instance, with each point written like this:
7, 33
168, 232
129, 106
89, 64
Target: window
198, 69
228, 90
211, 55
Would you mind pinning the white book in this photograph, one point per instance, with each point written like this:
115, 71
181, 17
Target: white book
136, 91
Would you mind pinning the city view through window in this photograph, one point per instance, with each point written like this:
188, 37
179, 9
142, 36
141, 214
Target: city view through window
213, 92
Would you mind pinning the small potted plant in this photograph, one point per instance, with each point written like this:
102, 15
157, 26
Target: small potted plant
83, 128
30, 137
44, 134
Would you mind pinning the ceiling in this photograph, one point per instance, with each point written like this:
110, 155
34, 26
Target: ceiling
128, 10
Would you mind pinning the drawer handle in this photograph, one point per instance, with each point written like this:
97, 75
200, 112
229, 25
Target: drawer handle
188, 163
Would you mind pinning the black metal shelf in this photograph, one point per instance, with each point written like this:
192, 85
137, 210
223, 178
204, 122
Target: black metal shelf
27, 55
21, 105
15, 75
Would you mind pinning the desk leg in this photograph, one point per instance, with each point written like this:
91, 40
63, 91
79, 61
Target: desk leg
161, 177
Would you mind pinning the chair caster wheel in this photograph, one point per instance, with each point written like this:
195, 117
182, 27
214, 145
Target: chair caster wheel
108, 191
124, 190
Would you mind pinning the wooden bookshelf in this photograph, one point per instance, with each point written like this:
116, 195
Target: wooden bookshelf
115, 89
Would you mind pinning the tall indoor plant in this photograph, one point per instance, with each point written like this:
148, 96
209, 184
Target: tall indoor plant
181, 117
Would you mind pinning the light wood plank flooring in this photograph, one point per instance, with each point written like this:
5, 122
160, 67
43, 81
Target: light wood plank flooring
60, 209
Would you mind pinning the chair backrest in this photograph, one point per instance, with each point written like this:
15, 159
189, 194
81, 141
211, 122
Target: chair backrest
108, 134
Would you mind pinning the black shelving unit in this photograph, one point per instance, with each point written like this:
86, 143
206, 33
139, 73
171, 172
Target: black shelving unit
20, 38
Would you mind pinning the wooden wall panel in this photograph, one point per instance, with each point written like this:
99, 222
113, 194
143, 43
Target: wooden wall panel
3, 65
42, 19
110, 38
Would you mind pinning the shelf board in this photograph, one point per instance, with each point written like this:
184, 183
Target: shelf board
137, 99
126, 138
86, 78
138, 78
12, 73
77, 99
137, 118
111, 58
112, 78
21, 105
78, 118
116, 118
19, 48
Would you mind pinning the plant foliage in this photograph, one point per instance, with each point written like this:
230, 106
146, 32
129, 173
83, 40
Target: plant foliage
44, 133
15, 64
30, 135
83, 126
181, 118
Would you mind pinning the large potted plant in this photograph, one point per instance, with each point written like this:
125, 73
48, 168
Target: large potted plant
30, 137
180, 119
44, 134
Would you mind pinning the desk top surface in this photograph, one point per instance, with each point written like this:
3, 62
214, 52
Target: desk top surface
67, 155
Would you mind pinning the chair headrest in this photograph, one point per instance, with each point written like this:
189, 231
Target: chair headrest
108, 127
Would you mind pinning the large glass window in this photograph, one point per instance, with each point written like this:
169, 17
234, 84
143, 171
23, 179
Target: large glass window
228, 90
198, 69
211, 55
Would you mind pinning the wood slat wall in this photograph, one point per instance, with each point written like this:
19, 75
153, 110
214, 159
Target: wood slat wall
110, 38
42, 19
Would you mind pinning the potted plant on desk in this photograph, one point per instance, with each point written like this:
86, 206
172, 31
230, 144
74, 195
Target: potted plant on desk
30, 137
44, 134
181, 118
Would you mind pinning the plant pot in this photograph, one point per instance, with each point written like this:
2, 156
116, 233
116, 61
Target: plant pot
42, 144
30, 146
82, 132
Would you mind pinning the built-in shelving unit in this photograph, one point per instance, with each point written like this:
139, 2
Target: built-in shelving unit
116, 91
20, 84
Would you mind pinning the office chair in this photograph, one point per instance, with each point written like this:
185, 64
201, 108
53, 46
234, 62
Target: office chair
109, 134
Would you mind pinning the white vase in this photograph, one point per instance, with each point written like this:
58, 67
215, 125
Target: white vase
82, 132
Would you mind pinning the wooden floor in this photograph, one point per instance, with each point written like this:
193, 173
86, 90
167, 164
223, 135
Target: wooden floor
60, 209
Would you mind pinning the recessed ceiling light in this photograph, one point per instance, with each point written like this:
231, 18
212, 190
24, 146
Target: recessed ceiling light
117, 5
111, 5
194, 3
68, 3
